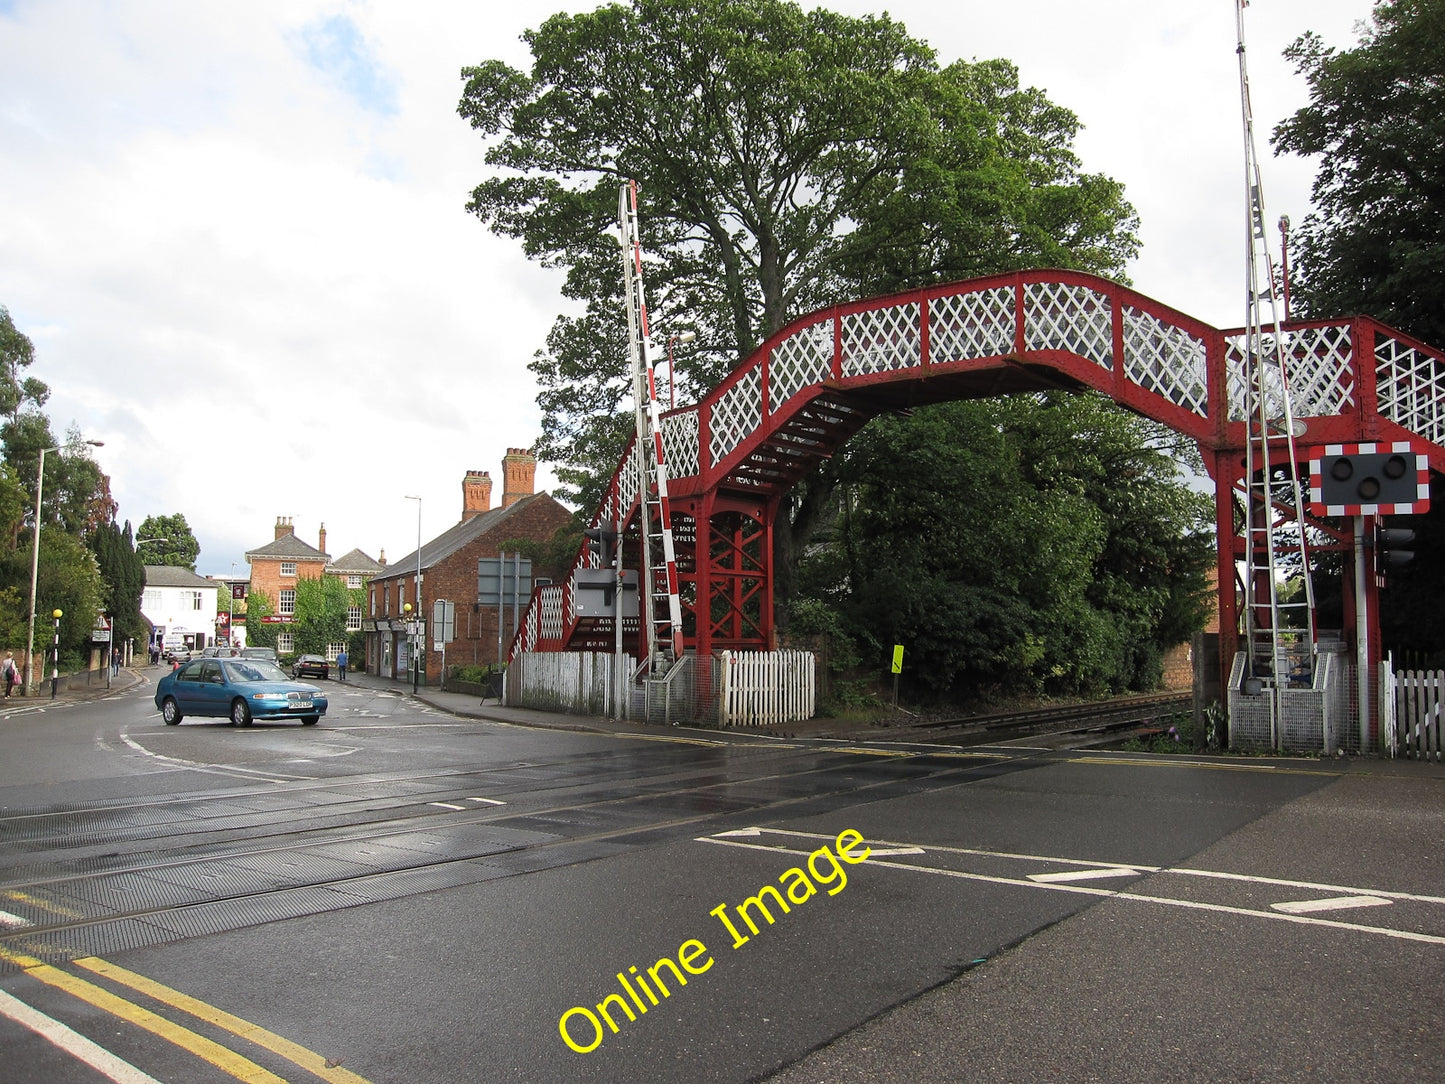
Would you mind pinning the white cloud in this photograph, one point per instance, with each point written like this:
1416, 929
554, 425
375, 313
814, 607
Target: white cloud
237, 237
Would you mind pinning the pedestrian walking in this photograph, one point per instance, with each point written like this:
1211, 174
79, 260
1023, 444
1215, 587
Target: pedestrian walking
341, 664
10, 676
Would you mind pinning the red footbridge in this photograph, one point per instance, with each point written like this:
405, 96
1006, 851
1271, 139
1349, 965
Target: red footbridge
733, 457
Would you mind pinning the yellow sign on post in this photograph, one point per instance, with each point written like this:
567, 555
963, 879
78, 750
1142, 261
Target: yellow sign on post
898, 658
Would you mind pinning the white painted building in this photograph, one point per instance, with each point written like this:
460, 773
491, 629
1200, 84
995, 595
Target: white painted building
182, 604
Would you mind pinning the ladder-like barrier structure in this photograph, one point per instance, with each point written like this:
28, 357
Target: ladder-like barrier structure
733, 457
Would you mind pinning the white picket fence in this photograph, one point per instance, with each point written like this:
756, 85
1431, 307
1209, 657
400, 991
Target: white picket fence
764, 688
1414, 703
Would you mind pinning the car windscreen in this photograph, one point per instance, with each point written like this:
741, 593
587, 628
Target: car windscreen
255, 670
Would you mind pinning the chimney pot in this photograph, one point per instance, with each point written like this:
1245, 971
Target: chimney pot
519, 475
476, 494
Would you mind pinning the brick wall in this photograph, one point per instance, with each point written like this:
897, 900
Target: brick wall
455, 579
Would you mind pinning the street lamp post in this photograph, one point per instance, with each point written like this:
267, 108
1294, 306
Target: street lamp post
35, 555
418, 640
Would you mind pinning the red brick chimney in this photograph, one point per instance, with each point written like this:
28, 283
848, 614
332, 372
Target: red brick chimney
476, 494
519, 475
321, 545
283, 526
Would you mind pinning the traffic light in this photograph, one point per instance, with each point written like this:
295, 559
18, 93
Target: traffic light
1388, 553
601, 541
1369, 479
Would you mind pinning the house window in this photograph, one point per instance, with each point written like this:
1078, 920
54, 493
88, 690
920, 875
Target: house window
353, 580
288, 568
353, 618
285, 643
287, 605
152, 600
332, 650
196, 601
373, 602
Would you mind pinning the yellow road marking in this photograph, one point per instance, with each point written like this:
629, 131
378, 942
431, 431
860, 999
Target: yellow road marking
228, 1061
1165, 762
292, 1052
659, 737
45, 905
872, 752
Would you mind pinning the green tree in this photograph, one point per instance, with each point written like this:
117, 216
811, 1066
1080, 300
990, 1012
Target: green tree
320, 618
1376, 119
17, 353
179, 548
788, 160
259, 631
68, 579
122, 574
1038, 542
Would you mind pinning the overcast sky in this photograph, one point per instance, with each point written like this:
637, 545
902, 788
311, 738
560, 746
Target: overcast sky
235, 232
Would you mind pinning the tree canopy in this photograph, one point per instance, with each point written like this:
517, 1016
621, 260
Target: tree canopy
1376, 119
174, 543
788, 160
1037, 542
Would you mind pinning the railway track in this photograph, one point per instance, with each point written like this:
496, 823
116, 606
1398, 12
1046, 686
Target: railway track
1091, 722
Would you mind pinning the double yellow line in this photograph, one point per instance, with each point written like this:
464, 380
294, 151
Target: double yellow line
223, 1058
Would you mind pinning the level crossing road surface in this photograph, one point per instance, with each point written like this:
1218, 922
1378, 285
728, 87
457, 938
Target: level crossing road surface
406, 893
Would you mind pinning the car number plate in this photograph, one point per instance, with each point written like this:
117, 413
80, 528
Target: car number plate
301, 703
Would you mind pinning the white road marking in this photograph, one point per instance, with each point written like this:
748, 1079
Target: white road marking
1083, 874
73, 1043
730, 839
1334, 903
447, 805
13, 922
212, 769
488, 801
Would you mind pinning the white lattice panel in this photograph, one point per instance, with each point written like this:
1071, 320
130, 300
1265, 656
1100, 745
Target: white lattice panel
1321, 382
1317, 363
1271, 387
550, 623
680, 444
1166, 360
1411, 387
881, 340
973, 325
802, 359
629, 481
1072, 318
737, 412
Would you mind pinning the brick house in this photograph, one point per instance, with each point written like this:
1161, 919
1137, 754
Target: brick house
277, 567
449, 570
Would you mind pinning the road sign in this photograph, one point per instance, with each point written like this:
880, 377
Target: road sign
443, 623
898, 658
500, 579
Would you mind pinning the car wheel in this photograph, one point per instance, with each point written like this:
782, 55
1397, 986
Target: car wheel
171, 711
240, 713
310, 720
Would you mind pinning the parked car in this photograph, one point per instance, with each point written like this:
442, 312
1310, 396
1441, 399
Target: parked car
313, 665
267, 653
239, 689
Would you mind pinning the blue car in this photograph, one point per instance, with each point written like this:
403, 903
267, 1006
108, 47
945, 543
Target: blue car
239, 689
